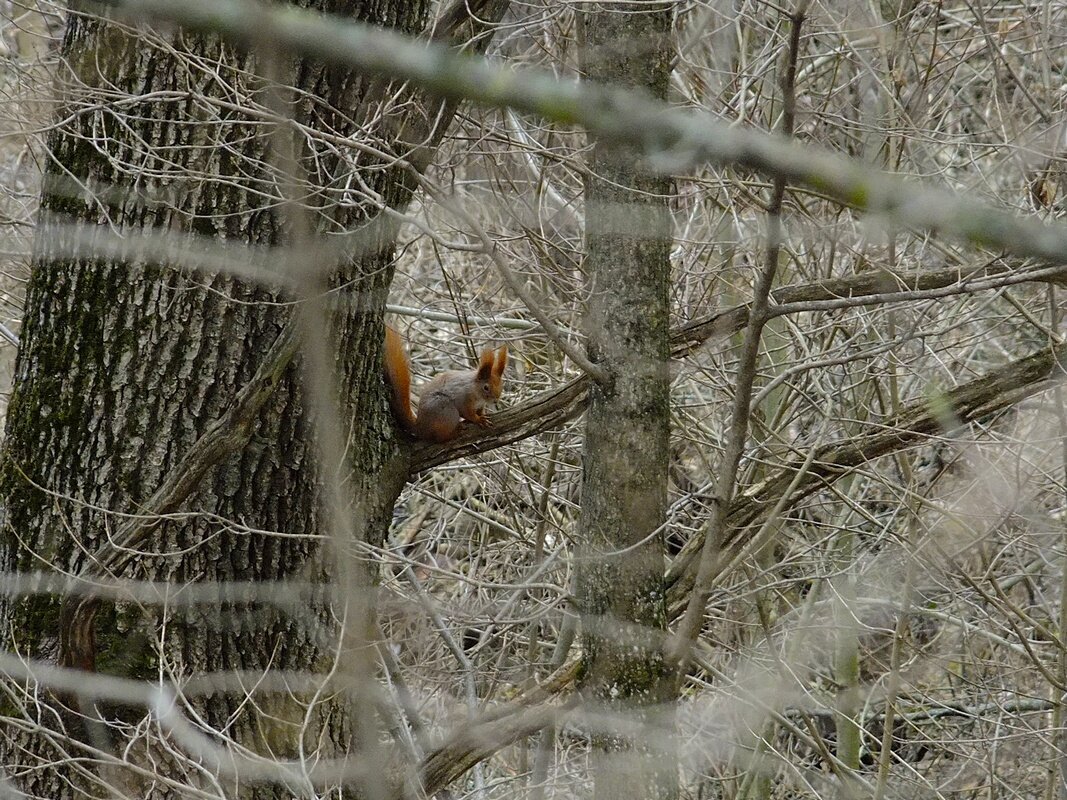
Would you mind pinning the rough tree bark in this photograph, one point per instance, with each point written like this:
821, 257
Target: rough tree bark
621, 592
122, 367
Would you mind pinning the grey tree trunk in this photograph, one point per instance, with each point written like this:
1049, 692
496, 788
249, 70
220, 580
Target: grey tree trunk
123, 367
621, 590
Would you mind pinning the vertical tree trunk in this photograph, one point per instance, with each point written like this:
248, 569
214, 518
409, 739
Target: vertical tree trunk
621, 591
123, 367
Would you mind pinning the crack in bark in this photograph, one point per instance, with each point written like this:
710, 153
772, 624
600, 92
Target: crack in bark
228, 434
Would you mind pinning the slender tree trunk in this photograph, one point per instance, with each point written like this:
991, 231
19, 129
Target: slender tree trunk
621, 590
123, 367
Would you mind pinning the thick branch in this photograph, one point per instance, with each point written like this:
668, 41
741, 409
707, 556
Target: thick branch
496, 729
546, 411
868, 288
477, 742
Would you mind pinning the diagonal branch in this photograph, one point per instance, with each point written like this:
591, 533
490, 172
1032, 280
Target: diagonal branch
673, 138
496, 729
996, 391
476, 742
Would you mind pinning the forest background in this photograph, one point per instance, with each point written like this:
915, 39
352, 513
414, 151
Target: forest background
774, 503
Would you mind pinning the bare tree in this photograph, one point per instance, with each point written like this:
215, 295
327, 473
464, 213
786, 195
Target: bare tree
157, 429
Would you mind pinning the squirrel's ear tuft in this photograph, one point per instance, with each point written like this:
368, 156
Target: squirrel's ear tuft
501, 361
485, 365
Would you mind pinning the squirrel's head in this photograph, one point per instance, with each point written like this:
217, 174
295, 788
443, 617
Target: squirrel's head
490, 375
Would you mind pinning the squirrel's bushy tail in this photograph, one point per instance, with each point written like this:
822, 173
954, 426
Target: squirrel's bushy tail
398, 375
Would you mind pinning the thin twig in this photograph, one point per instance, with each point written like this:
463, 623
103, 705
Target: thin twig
489, 248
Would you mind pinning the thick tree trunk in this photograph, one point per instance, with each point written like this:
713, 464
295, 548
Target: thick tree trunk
624, 491
123, 367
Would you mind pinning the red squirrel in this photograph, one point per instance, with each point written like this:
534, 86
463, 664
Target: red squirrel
449, 398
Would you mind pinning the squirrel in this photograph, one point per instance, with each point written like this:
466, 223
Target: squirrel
448, 399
